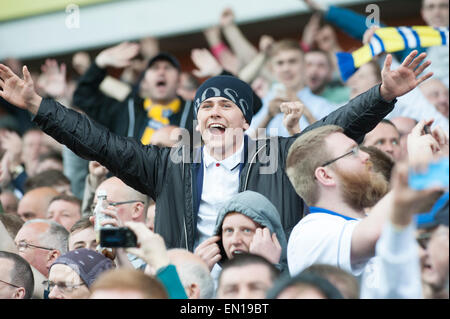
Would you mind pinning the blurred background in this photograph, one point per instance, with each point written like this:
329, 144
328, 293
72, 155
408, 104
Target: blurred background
32, 31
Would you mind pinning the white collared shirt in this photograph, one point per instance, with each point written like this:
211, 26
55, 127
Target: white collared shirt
220, 183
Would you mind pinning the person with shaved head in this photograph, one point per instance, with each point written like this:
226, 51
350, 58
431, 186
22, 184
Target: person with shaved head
34, 203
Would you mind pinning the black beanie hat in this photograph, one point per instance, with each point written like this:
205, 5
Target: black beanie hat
229, 87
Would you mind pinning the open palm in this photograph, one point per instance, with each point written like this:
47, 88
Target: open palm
405, 78
16, 91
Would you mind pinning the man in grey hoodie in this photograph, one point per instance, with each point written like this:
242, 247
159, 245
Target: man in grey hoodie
247, 223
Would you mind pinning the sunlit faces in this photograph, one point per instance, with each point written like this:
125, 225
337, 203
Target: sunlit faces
221, 124
317, 70
237, 233
245, 282
386, 138
287, 67
435, 12
161, 82
84, 238
64, 213
68, 283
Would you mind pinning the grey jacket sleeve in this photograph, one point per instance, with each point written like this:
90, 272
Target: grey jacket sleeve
141, 167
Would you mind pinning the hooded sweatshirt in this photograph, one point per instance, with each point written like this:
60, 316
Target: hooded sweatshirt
258, 208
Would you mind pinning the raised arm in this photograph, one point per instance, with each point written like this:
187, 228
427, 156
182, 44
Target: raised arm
365, 111
88, 95
87, 138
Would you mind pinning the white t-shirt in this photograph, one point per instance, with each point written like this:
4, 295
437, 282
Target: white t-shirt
321, 238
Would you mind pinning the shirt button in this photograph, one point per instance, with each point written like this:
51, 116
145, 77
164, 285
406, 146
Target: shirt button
217, 164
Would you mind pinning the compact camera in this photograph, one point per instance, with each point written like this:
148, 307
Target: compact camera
117, 237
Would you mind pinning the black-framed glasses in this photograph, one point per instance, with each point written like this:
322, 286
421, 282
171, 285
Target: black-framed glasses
8, 283
114, 204
62, 286
354, 151
22, 245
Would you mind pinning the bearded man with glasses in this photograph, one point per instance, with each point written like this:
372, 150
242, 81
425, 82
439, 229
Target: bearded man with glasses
337, 182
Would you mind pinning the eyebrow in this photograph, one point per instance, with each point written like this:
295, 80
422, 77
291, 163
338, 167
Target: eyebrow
220, 101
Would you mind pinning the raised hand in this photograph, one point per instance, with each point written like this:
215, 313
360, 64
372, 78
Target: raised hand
315, 5
265, 245
265, 43
227, 17
293, 111
17, 91
206, 63
422, 148
53, 78
398, 82
209, 251
407, 201
311, 29
12, 144
151, 247
118, 56
149, 47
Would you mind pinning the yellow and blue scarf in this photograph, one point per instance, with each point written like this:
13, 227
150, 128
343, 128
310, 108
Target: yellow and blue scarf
391, 39
158, 116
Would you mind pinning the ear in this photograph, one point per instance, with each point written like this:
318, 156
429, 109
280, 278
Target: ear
138, 211
245, 126
19, 293
324, 176
193, 291
197, 127
52, 256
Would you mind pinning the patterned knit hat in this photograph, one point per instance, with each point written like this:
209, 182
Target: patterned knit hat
230, 88
87, 263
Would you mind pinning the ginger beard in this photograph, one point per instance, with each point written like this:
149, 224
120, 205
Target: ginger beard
362, 189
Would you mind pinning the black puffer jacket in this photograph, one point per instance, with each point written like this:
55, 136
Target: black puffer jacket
173, 177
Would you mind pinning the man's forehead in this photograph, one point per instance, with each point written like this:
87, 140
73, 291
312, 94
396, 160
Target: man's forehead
217, 99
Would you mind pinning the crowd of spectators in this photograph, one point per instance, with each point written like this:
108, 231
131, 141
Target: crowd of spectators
260, 174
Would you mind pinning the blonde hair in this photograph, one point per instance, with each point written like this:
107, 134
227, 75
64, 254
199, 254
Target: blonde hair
284, 45
306, 154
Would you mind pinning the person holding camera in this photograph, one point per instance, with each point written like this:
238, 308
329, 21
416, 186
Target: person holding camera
183, 181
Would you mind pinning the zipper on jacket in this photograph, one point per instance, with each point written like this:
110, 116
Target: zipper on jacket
131, 117
250, 166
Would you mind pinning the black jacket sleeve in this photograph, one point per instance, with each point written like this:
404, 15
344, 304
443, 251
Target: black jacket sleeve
88, 97
358, 117
141, 167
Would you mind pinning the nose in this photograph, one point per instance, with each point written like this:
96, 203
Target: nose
236, 238
244, 293
388, 148
55, 293
364, 156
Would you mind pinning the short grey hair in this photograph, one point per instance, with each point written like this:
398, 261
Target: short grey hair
191, 273
56, 237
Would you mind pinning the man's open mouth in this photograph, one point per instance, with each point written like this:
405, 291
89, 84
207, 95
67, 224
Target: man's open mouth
161, 84
237, 252
217, 128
